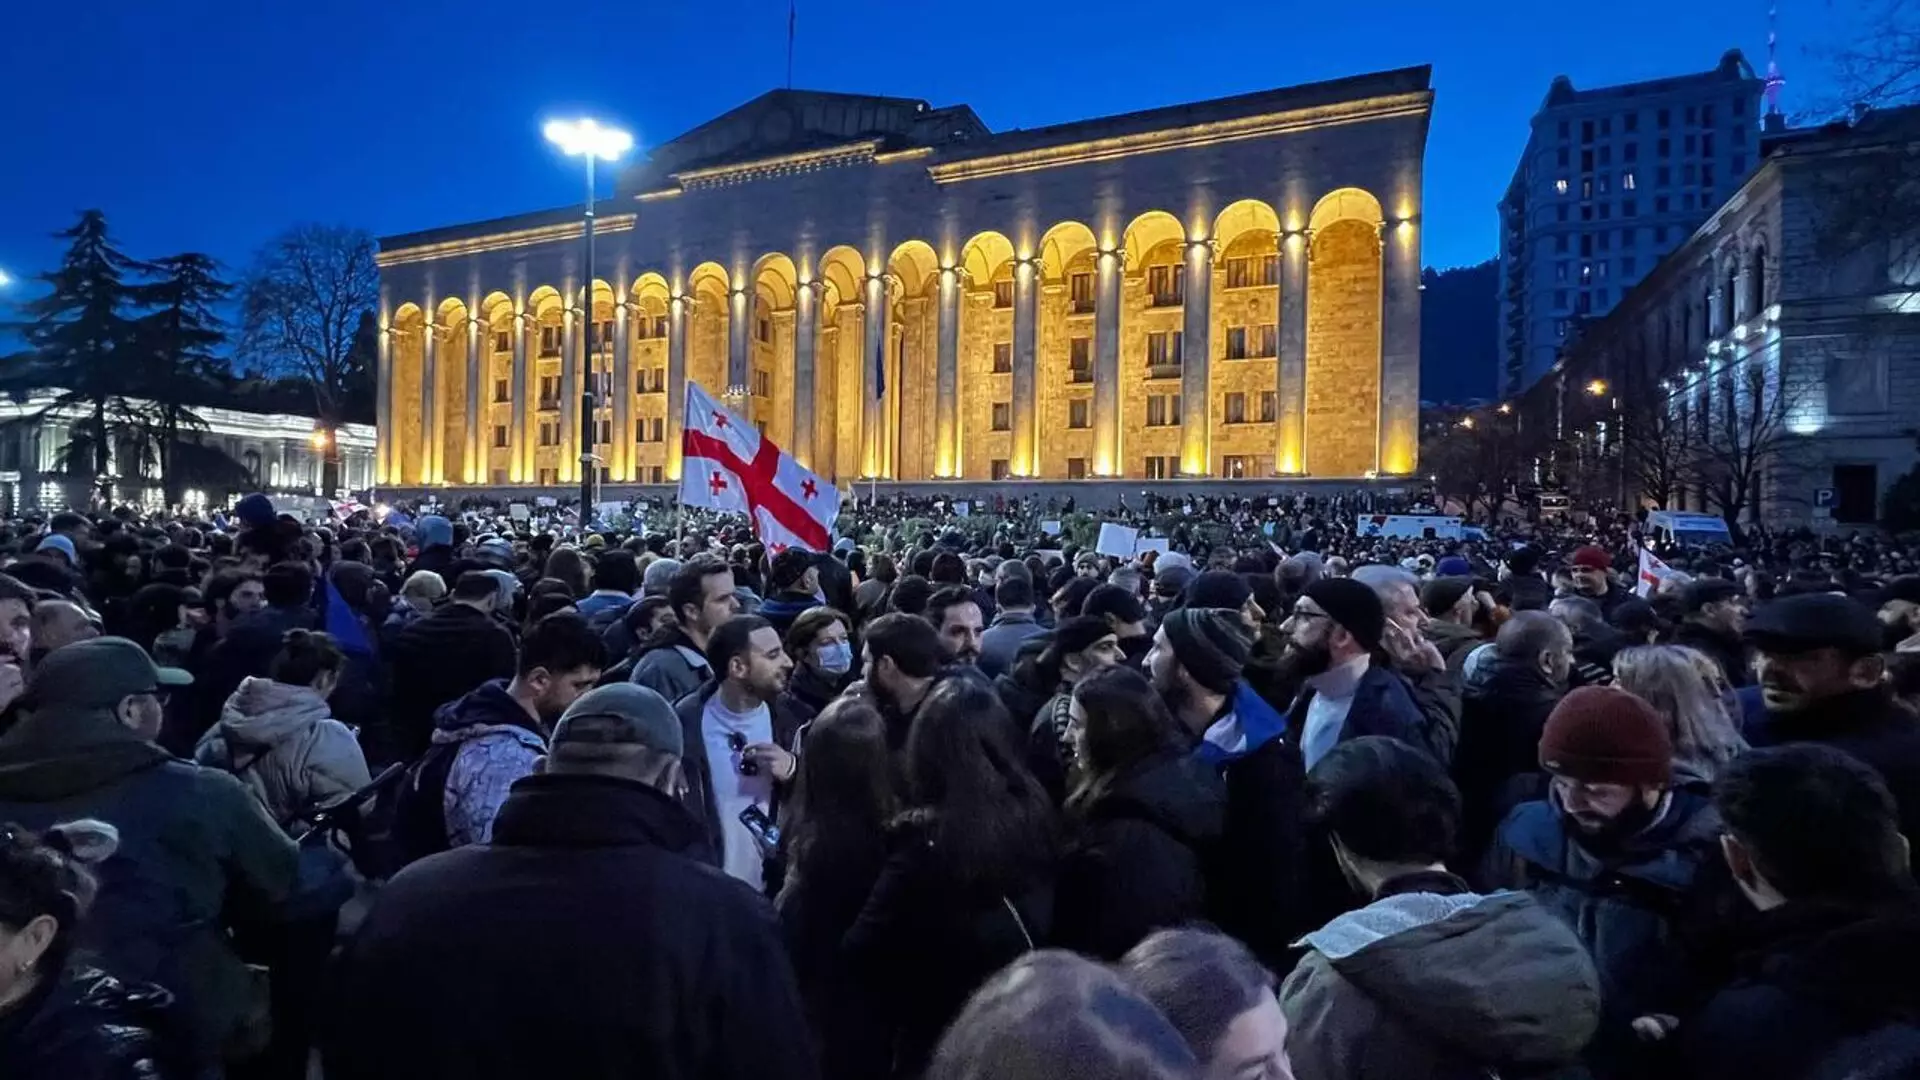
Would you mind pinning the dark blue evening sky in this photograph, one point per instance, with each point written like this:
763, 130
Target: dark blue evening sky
210, 124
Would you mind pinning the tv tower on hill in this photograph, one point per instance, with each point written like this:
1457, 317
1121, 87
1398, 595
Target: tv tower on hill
1775, 82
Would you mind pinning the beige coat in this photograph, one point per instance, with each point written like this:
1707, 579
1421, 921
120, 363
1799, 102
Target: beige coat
281, 742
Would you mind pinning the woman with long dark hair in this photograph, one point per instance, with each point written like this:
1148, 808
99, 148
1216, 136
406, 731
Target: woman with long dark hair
1146, 816
967, 885
834, 838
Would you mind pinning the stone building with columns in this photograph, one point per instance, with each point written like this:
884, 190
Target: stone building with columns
1227, 289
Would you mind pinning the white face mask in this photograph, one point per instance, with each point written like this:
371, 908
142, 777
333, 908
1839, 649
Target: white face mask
835, 657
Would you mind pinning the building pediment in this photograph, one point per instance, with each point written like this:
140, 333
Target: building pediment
799, 123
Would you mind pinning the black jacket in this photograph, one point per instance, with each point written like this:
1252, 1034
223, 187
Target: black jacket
1727, 650
821, 900
1815, 977
1869, 724
438, 659
582, 942
1139, 862
925, 941
88, 1025
1497, 767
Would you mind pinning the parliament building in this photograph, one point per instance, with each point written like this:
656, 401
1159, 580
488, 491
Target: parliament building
1228, 289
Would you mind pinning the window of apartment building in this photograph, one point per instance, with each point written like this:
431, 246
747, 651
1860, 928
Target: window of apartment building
1163, 349
1166, 285
1740, 136
549, 433
1080, 293
1002, 416
499, 436
503, 341
1000, 470
1560, 271
1560, 186
603, 433
1628, 182
1236, 408
1693, 114
1559, 299
549, 391
1002, 358
1562, 157
1630, 153
1586, 244
1163, 410
1560, 213
1077, 414
763, 329
1076, 468
1600, 269
1706, 115
1706, 174
1663, 176
1629, 207
1664, 147
1688, 172
1586, 273
1630, 122
1559, 328
1253, 271
763, 383
1739, 164
1606, 126
1603, 298
1586, 212
1738, 106
1563, 129
1606, 211
1080, 359
1560, 244
1691, 144
1585, 306
500, 391
1605, 184
550, 337
1686, 201
1003, 294
1706, 144
1269, 406
1157, 468
1586, 187
1628, 264
1586, 161
1251, 341
1660, 205
650, 429
1605, 239
547, 477
1586, 131
1606, 156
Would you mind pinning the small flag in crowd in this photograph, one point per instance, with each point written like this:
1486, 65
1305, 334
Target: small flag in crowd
726, 464
1652, 573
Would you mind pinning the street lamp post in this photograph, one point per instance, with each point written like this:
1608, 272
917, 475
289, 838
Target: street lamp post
593, 141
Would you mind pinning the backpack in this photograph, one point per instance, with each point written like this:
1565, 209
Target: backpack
420, 813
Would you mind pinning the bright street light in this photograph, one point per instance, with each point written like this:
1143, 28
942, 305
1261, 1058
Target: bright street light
1597, 387
588, 138
5, 279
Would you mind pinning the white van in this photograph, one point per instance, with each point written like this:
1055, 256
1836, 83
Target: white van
1681, 529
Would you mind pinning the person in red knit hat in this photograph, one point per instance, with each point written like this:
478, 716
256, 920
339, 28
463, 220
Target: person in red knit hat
1592, 571
1615, 850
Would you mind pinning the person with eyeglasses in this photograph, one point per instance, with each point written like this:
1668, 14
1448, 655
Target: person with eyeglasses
1617, 851
198, 854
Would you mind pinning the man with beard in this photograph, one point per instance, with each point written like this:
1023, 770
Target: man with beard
1714, 611
737, 734
1822, 681
1615, 850
1337, 629
1592, 571
1126, 616
955, 617
900, 659
491, 737
1079, 646
1403, 641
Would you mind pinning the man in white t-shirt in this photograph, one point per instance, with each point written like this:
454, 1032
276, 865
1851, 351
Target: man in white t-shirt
737, 737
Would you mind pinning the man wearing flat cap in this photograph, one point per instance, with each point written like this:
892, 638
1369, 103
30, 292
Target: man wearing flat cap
1822, 681
1714, 611
587, 940
1337, 628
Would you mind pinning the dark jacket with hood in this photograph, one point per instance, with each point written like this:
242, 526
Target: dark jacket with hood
197, 855
1636, 906
1815, 977
247, 650
1873, 726
673, 667
435, 660
1726, 649
1497, 766
671, 968
494, 742
1441, 984
1140, 861
88, 1025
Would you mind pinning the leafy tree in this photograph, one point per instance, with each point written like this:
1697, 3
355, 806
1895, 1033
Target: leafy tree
307, 308
80, 338
178, 365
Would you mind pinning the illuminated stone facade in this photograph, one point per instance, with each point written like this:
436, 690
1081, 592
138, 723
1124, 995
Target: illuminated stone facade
891, 290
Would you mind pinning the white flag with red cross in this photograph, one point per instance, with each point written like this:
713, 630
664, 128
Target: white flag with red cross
726, 464
1652, 573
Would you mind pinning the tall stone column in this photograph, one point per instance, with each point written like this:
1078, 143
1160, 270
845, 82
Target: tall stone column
573, 357
430, 406
873, 345
946, 376
1196, 360
677, 318
1109, 270
472, 470
385, 435
620, 454
739, 339
1026, 376
1399, 448
520, 405
826, 429
1290, 374
806, 339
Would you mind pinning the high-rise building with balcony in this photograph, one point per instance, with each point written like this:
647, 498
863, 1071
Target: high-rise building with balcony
1612, 180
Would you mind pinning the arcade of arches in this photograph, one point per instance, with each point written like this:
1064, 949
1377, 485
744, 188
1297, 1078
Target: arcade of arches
1231, 348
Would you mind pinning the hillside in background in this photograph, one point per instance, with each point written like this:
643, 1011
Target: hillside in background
1459, 338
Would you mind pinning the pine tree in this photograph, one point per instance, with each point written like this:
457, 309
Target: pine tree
177, 364
79, 337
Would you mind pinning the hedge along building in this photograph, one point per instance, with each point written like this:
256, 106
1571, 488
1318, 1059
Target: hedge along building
1225, 289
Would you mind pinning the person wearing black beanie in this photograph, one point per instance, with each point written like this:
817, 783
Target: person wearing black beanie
1336, 630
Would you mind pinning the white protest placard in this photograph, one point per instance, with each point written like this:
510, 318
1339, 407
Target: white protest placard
545, 500
1050, 528
961, 509
519, 511
611, 510
1117, 540
1145, 544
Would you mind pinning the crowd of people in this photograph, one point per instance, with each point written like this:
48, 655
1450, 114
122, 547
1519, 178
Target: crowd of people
464, 796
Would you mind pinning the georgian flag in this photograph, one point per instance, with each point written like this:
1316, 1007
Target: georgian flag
727, 465
1652, 573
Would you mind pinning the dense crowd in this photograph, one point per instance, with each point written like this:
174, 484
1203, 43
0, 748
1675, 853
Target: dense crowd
475, 794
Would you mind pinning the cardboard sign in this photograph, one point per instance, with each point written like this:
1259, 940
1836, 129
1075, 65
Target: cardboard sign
519, 511
961, 509
1117, 540
1145, 544
1050, 528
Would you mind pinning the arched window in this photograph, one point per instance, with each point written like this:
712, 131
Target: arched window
1757, 280
1730, 296
251, 462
